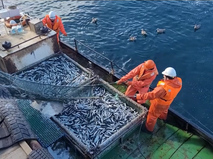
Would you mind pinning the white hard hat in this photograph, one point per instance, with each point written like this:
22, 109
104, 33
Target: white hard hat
52, 15
169, 71
12, 22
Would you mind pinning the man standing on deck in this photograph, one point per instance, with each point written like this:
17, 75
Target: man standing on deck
142, 75
54, 22
161, 97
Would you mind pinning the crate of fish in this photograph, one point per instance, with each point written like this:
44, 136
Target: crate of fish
58, 70
98, 116
55, 78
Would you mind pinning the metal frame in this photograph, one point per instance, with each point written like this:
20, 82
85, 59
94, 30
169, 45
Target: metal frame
131, 126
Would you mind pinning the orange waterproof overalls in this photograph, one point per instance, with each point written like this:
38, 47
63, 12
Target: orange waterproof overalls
161, 98
56, 25
142, 79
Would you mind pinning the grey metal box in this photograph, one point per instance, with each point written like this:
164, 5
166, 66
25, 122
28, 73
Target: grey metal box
35, 25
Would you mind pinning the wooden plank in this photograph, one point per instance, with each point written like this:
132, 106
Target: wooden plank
141, 139
190, 148
205, 153
166, 150
25, 147
8, 150
148, 148
14, 152
161, 145
137, 154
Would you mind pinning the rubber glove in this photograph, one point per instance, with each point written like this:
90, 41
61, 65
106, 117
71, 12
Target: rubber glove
118, 82
138, 96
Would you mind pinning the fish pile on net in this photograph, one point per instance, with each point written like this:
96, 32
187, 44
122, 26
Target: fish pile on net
54, 79
94, 120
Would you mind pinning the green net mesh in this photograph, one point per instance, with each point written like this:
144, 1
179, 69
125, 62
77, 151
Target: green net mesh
45, 129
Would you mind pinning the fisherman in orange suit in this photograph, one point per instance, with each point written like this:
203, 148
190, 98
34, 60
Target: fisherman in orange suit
142, 77
161, 97
54, 22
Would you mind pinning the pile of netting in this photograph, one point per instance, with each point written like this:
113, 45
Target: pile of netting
22, 88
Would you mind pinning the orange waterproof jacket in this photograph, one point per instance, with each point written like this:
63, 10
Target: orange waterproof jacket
56, 25
172, 88
164, 93
141, 76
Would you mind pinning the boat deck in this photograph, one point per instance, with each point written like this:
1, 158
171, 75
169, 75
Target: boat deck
166, 141
27, 47
19, 40
21, 150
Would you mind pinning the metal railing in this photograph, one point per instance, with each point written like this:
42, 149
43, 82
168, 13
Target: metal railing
111, 63
2, 3
18, 45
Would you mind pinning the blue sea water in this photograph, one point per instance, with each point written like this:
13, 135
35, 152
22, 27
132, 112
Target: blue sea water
189, 52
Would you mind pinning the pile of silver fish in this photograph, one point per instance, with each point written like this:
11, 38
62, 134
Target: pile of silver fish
94, 115
94, 120
55, 71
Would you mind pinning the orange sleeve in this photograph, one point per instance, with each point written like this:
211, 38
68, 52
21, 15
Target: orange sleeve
132, 73
143, 83
158, 92
44, 20
61, 27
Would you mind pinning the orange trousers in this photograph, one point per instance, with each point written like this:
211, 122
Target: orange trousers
58, 38
155, 111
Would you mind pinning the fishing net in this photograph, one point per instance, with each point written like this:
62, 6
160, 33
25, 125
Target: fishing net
28, 89
55, 78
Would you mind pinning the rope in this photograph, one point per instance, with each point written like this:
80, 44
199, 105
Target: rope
138, 146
